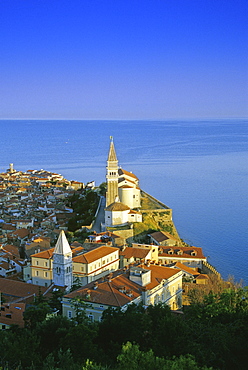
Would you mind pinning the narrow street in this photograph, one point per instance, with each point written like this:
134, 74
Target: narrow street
100, 216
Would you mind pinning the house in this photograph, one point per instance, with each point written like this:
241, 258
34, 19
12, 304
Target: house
36, 245
91, 265
10, 262
11, 314
146, 284
24, 223
21, 234
190, 256
18, 291
153, 248
131, 255
163, 238
6, 269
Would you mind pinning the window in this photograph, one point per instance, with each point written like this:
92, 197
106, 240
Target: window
45, 274
91, 317
37, 273
82, 268
46, 264
69, 314
37, 262
103, 262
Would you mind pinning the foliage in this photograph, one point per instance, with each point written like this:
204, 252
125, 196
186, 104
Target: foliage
79, 307
84, 205
76, 284
131, 358
55, 300
35, 314
103, 188
213, 332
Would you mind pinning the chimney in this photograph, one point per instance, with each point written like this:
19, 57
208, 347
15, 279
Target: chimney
129, 293
122, 289
109, 277
144, 296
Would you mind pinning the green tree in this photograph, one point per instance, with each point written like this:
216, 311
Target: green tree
55, 300
103, 188
35, 314
131, 358
52, 333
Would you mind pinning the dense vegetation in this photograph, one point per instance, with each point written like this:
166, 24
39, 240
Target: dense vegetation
84, 205
212, 333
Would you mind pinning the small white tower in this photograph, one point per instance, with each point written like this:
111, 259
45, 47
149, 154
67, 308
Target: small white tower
62, 262
11, 168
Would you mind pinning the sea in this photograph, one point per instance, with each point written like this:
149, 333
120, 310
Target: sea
199, 168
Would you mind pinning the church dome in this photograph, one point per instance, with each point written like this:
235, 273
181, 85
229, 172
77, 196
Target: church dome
117, 206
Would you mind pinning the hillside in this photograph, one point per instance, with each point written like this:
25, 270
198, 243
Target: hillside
156, 217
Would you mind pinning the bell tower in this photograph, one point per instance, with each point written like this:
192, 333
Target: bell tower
112, 175
62, 262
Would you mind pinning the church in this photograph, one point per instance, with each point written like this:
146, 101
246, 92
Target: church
123, 193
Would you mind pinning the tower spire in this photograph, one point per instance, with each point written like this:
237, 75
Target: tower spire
112, 154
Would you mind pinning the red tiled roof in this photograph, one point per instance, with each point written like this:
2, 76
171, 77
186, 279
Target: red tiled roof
158, 274
94, 255
12, 289
185, 268
186, 252
21, 233
12, 314
12, 249
124, 172
134, 252
108, 292
45, 254
160, 236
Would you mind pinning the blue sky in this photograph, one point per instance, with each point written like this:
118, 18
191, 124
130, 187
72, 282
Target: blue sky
132, 59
